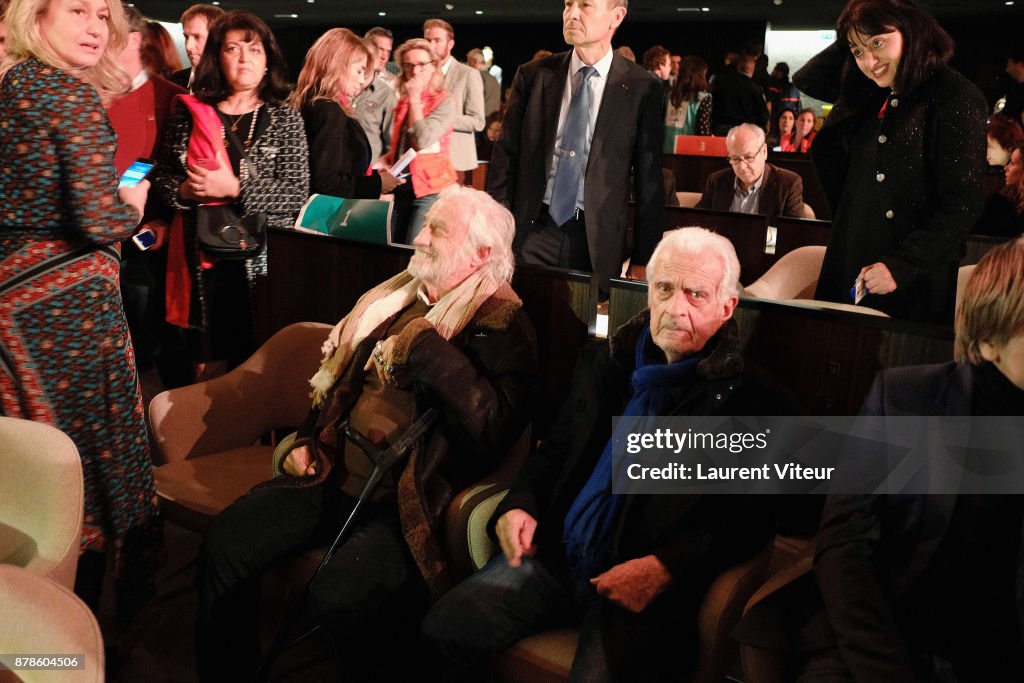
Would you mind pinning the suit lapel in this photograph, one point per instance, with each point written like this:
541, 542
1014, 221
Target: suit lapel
614, 102
551, 90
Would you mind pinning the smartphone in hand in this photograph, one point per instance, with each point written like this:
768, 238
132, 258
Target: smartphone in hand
144, 239
136, 173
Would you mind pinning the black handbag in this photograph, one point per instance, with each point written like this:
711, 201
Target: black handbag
220, 230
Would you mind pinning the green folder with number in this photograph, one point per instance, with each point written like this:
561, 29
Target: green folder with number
365, 220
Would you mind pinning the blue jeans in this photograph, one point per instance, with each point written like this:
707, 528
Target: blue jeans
465, 631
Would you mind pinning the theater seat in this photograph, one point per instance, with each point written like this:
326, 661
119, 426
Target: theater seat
793, 276
41, 500
206, 437
42, 616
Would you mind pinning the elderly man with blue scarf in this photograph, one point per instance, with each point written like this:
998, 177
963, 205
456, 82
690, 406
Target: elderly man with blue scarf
632, 569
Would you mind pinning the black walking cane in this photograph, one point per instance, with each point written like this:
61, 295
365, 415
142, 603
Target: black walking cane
383, 461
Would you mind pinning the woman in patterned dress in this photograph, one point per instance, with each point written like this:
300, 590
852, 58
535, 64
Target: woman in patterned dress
242, 79
65, 355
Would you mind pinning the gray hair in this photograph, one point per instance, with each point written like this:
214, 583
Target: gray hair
750, 128
696, 241
490, 225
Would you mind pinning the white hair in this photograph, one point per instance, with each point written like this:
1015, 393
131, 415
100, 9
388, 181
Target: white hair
489, 225
696, 242
757, 131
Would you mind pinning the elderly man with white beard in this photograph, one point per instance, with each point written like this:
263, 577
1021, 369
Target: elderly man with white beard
449, 334
632, 568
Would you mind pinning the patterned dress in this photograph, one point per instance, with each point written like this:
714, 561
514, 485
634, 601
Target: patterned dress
65, 354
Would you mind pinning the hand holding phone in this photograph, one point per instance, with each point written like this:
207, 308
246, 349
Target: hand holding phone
144, 239
136, 173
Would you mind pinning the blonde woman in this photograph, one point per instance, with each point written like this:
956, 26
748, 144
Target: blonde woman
424, 118
335, 72
67, 357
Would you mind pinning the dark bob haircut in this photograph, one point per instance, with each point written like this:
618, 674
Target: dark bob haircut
926, 45
211, 86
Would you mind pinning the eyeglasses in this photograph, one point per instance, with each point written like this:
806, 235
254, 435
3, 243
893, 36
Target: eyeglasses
415, 66
746, 159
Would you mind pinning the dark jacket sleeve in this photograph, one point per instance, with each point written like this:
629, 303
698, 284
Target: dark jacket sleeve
169, 173
649, 186
333, 161
505, 156
859, 606
793, 200
707, 198
486, 390
821, 77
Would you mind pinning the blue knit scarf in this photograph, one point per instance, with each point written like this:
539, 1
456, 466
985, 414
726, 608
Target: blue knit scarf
587, 534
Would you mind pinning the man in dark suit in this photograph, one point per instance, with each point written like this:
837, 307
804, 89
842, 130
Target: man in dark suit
633, 568
550, 150
752, 185
195, 24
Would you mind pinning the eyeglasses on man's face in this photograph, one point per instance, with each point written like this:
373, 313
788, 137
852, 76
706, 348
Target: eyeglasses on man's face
746, 158
413, 67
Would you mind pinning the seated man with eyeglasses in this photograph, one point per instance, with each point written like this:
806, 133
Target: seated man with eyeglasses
752, 185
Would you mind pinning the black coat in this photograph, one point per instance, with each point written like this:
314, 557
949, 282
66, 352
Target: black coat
625, 150
913, 207
695, 537
554, 475
339, 153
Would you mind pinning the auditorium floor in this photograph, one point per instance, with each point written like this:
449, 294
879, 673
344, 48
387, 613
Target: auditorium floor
160, 647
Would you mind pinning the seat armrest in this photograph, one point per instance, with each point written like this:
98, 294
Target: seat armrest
268, 391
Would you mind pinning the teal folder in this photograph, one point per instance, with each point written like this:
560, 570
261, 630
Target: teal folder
364, 220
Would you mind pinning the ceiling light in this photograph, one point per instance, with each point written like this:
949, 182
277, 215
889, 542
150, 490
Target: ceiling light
1009, 2
705, 9
479, 11
382, 14
449, 6
286, 16
687, 9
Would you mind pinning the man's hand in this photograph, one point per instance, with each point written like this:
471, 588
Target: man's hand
382, 359
515, 534
878, 279
634, 584
299, 462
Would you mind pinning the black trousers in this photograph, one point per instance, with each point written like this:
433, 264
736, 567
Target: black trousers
371, 579
562, 246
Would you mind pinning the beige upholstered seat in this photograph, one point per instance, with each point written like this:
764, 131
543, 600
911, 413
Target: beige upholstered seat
793, 276
206, 436
41, 499
41, 616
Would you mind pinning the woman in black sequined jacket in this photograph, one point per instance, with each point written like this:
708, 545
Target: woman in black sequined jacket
900, 158
243, 75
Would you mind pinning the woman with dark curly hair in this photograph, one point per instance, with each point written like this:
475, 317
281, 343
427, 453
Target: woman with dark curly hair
237, 142
901, 159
